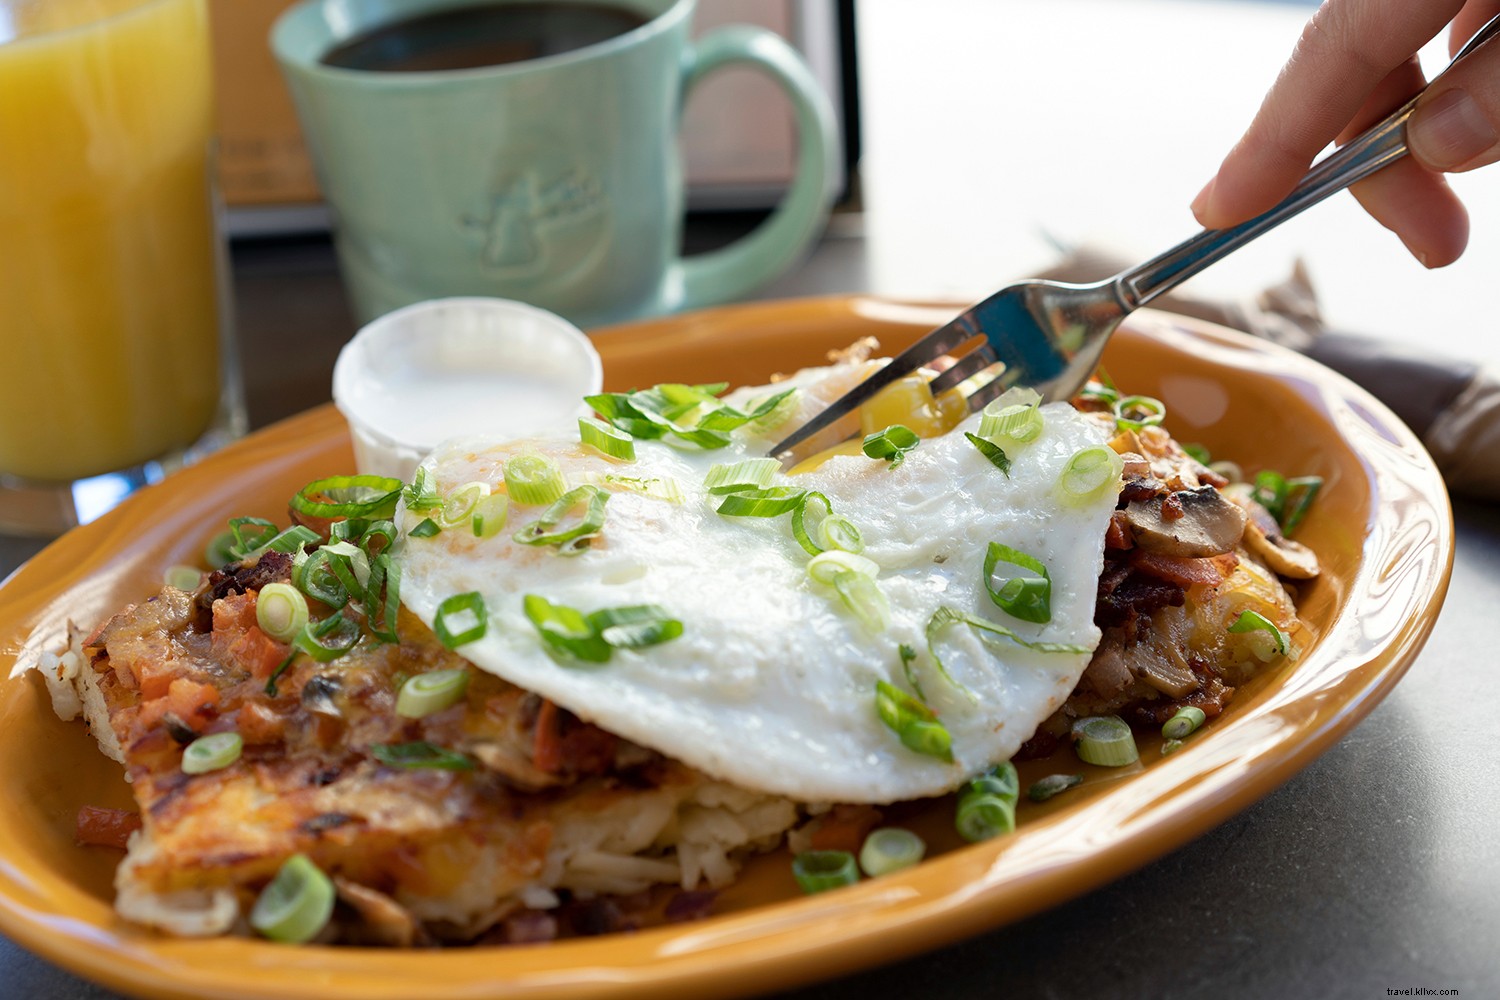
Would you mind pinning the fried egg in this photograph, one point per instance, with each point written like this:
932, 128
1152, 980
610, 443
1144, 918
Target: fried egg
771, 684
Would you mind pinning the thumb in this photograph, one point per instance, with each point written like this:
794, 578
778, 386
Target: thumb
1456, 124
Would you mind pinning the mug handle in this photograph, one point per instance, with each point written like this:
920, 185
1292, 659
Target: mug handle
762, 254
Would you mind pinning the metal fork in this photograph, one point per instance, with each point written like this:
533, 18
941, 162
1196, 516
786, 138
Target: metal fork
1049, 335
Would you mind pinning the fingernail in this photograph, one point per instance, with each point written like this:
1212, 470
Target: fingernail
1450, 131
1201, 202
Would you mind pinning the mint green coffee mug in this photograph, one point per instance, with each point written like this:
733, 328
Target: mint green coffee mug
552, 180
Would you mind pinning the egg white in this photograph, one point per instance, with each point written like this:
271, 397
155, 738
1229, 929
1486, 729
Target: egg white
771, 686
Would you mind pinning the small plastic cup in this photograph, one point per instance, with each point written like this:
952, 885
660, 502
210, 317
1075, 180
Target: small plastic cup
457, 367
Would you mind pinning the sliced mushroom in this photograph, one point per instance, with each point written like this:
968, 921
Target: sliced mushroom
1208, 525
383, 920
1281, 555
1161, 665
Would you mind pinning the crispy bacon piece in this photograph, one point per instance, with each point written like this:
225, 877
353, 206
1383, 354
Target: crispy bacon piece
102, 827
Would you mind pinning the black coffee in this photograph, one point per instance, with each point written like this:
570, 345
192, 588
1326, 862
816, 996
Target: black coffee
483, 35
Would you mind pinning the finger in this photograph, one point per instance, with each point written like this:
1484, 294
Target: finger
1469, 20
1387, 95
1456, 125
1418, 206
1348, 48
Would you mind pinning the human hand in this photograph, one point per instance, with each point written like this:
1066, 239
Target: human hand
1355, 63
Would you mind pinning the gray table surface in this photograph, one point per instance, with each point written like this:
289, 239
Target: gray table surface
1374, 870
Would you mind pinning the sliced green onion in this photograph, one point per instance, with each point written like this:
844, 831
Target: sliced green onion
1105, 740
890, 849
248, 534
664, 488
281, 668
819, 871
421, 496
908, 659
1053, 784
1100, 389
891, 444
328, 639
1198, 453
349, 496
826, 565
1170, 747
351, 565
280, 611
212, 753
1275, 643
566, 631
459, 504
1184, 723
772, 501
752, 474
991, 451
946, 616
799, 521
533, 479
987, 804
216, 553
420, 754
609, 440
572, 540
914, 723
315, 577
635, 627
862, 596
290, 541
1092, 472
1015, 415
424, 694
296, 905
682, 414
1229, 470
381, 612
836, 531
424, 528
773, 411
1028, 598
188, 578
460, 619
490, 515
1132, 413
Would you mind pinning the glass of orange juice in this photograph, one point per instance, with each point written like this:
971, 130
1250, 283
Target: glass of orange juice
116, 357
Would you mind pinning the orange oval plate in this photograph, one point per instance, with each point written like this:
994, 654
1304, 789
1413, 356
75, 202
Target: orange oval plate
1382, 528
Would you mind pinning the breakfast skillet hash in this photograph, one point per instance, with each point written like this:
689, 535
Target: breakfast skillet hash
565, 685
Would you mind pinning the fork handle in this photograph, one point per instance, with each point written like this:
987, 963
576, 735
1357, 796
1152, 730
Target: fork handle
1377, 147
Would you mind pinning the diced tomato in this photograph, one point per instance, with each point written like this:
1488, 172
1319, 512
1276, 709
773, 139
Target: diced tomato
260, 724
232, 616
844, 828
258, 653
103, 827
193, 704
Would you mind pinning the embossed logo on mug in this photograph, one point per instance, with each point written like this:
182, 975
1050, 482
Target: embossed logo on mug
547, 219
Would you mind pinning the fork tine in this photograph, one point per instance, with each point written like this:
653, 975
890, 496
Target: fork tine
934, 345
969, 365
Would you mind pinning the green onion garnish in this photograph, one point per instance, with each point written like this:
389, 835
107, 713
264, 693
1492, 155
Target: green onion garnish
420, 754
290, 541
690, 414
280, 611
425, 528
1027, 597
1091, 472
908, 661
349, 496
216, 553
987, 804
914, 723
211, 753
891, 444
827, 565
946, 616
424, 694
382, 609
799, 521
328, 639
1015, 416
1053, 784
460, 619
296, 905
572, 635
1100, 389
1170, 747
1287, 500
773, 501
489, 515
862, 596
533, 479
458, 505
247, 534
1184, 723
611, 441
666, 489
991, 451
1105, 740
1132, 413
421, 496
751, 474
773, 411
187, 578
819, 871
572, 540
836, 531
281, 668
1198, 453
315, 577
635, 627
1271, 640
890, 849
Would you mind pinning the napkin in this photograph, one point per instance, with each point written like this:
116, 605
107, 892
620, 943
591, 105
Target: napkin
1453, 405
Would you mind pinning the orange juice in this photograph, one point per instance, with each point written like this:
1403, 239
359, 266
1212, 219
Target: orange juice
109, 326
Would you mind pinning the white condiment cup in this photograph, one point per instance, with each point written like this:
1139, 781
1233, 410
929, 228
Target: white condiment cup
444, 368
